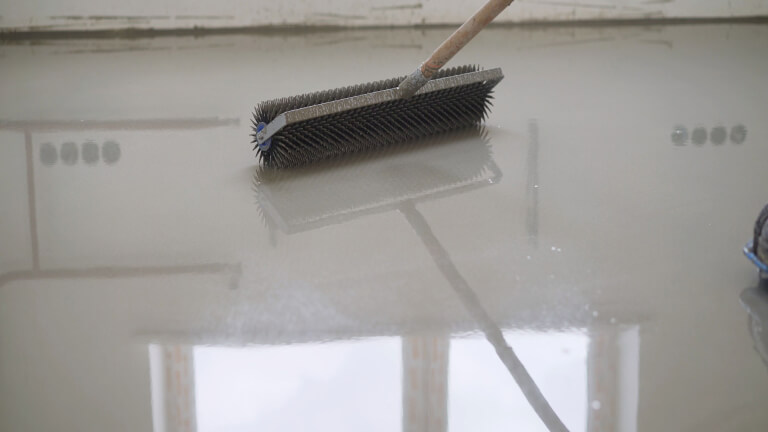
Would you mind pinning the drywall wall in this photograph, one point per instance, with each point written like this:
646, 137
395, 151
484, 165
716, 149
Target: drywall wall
167, 14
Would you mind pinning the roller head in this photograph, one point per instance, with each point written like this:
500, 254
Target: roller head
323, 125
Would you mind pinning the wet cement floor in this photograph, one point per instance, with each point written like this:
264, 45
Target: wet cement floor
576, 264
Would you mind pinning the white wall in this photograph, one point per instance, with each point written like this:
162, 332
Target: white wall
165, 14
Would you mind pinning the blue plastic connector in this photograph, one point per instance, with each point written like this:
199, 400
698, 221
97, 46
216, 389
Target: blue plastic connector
263, 146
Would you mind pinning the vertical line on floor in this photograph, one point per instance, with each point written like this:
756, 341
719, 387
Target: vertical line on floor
32, 201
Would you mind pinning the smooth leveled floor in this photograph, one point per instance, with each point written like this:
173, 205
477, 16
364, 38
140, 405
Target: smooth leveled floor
576, 264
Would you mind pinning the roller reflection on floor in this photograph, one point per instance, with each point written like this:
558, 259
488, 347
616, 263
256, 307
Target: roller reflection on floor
372, 183
394, 180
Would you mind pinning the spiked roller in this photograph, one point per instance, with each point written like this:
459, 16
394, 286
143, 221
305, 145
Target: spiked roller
298, 130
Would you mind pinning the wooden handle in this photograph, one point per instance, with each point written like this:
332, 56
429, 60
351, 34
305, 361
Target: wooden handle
451, 46
462, 36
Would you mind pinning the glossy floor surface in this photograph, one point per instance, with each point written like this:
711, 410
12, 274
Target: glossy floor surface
576, 264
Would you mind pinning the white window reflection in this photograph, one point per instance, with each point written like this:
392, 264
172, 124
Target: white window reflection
434, 382
354, 385
483, 396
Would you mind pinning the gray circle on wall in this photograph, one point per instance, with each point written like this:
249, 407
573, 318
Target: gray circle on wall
699, 136
718, 135
110, 152
90, 152
679, 135
48, 154
738, 134
69, 153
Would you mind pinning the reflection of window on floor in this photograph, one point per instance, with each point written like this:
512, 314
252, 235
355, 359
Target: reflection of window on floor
589, 377
433, 383
351, 385
483, 396
613, 371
